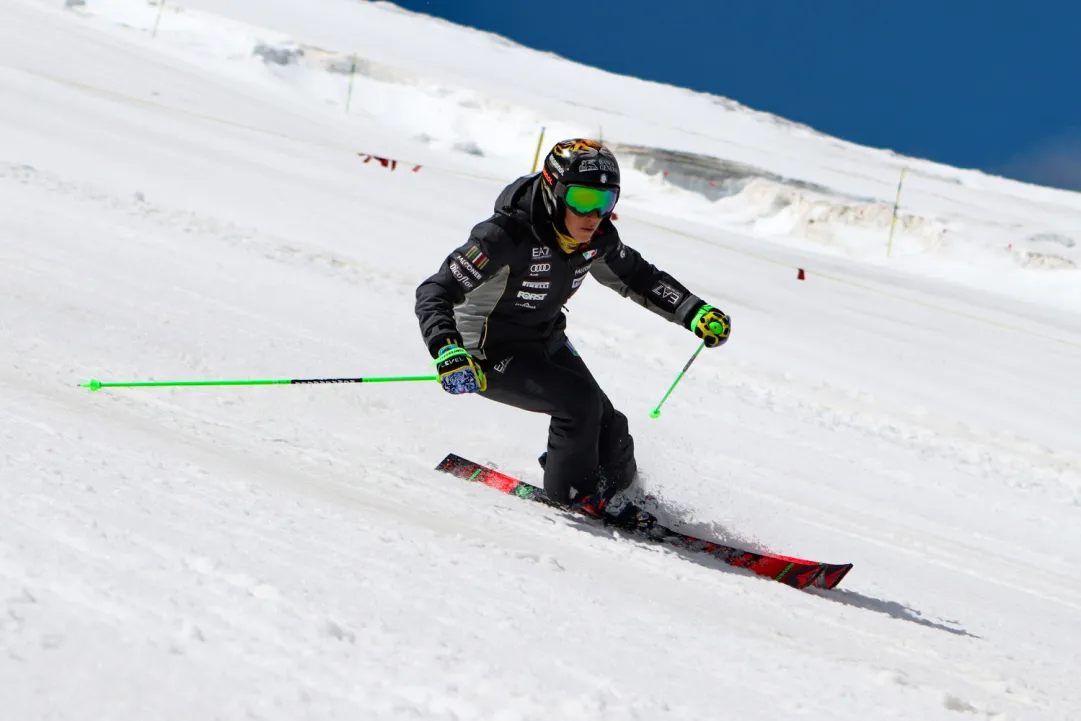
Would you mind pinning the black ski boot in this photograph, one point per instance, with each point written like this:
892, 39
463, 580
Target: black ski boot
611, 504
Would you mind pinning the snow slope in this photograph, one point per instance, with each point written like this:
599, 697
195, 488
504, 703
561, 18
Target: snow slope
176, 207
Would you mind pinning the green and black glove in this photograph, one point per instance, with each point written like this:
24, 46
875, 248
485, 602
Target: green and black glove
458, 372
711, 325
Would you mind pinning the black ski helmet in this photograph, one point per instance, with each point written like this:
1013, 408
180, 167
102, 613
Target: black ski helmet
579, 161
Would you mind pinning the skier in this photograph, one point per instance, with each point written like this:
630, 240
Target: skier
492, 318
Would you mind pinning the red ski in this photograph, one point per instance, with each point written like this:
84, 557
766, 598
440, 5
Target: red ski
795, 572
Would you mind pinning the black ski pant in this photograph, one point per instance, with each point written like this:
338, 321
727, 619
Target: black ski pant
588, 440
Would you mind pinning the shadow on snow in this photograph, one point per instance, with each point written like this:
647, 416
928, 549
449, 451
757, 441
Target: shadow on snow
717, 533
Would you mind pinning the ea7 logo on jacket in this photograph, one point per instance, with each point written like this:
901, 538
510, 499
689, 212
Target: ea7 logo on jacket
540, 252
667, 293
525, 295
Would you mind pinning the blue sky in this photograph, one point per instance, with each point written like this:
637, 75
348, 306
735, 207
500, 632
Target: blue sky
989, 85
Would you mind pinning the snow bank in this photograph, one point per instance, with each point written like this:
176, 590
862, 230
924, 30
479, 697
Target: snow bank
818, 209
771, 205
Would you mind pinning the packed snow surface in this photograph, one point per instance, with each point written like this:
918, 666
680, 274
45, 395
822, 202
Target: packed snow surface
194, 202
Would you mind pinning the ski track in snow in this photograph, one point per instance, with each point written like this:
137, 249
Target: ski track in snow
287, 552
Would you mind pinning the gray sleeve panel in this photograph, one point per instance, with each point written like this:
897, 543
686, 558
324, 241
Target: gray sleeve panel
458, 282
667, 299
607, 277
471, 316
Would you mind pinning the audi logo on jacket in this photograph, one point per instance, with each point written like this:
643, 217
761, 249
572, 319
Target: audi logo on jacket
504, 289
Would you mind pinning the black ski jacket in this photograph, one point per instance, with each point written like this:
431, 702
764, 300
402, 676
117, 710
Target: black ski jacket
503, 290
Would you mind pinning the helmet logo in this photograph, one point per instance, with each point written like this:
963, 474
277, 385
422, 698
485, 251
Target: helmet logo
604, 178
600, 163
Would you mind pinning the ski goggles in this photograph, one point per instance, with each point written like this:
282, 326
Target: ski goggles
583, 200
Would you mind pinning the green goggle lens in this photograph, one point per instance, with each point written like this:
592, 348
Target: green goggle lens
584, 200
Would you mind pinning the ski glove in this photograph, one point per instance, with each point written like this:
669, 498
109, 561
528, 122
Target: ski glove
711, 325
458, 372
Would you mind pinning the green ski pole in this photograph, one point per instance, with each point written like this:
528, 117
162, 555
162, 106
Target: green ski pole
96, 384
656, 412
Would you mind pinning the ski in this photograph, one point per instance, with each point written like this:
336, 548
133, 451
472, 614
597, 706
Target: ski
794, 572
